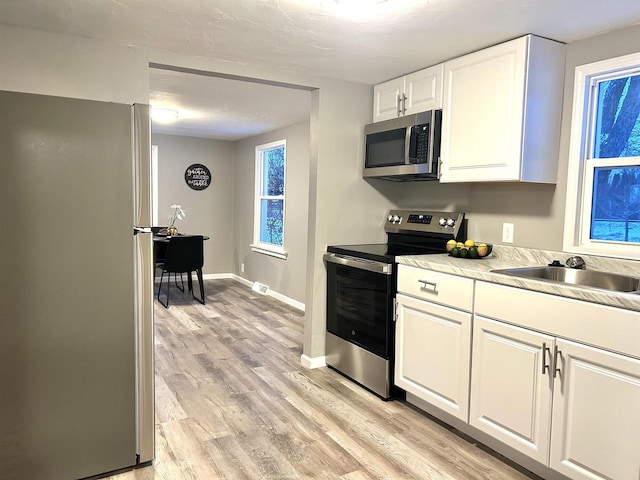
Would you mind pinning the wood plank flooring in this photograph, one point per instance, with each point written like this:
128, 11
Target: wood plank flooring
233, 402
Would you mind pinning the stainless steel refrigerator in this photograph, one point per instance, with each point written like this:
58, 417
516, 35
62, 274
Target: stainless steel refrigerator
76, 288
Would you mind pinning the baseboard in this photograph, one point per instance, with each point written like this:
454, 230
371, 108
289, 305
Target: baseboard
311, 363
278, 296
289, 301
240, 279
217, 276
210, 276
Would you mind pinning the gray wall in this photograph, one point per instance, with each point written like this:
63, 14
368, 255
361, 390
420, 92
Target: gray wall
537, 211
287, 277
209, 211
342, 207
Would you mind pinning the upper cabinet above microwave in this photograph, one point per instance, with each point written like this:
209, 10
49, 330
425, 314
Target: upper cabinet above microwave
501, 113
417, 92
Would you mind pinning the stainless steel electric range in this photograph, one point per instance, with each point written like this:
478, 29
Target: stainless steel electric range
361, 289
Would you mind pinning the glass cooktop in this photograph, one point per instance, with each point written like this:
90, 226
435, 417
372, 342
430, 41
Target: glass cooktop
381, 252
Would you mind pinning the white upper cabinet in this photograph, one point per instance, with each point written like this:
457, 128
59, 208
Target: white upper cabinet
387, 99
417, 92
501, 112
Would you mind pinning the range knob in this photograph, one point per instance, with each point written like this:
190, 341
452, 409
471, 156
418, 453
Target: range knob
397, 219
442, 222
390, 218
451, 222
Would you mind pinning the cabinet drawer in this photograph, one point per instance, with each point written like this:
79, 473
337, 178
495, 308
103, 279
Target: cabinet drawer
436, 287
598, 325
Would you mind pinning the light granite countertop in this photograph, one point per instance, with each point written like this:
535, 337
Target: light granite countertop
511, 257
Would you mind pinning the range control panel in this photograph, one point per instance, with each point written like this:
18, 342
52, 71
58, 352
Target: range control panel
416, 218
416, 221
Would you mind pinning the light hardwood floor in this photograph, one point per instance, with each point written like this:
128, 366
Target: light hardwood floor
233, 402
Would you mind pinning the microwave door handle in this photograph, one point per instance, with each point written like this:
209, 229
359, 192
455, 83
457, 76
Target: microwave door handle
407, 145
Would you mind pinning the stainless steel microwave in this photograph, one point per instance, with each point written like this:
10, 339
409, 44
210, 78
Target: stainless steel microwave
404, 148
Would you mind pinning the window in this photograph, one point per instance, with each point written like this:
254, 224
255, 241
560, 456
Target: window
603, 188
268, 236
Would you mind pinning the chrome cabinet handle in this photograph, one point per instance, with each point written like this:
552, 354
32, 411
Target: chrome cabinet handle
427, 283
545, 349
398, 102
557, 358
404, 104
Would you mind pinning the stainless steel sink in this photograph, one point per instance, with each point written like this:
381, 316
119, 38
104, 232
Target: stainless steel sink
582, 278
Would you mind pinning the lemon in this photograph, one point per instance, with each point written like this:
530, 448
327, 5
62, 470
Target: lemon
460, 245
469, 243
450, 244
483, 250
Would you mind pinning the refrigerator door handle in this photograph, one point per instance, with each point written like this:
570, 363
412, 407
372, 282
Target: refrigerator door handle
144, 283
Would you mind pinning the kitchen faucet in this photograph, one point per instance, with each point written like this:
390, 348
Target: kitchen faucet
576, 262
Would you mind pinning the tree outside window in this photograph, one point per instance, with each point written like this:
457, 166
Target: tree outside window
270, 197
615, 210
603, 188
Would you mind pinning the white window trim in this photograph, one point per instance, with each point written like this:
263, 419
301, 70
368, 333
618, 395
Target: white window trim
580, 165
258, 246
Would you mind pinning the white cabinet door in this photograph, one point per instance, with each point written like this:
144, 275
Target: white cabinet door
501, 112
432, 354
596, 414
423, 90
386, 103
417, 92
510, 394
482, 114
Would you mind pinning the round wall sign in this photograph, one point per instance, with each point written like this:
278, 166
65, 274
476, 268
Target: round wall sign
197, 176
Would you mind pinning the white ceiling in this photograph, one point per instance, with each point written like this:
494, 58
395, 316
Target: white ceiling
317, 37
222, 108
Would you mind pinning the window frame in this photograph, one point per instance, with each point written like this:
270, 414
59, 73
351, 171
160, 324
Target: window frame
258, 246
582, 165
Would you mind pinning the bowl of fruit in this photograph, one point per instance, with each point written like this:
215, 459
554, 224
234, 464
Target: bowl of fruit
469, 249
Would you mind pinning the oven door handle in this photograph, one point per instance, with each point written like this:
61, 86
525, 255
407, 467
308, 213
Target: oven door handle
360, 263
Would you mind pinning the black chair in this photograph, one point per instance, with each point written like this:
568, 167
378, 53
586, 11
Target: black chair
159, 248
185, 254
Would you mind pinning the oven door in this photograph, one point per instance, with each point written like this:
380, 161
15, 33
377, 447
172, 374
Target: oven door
360, 302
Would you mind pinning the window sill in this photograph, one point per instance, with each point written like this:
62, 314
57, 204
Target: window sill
272, 253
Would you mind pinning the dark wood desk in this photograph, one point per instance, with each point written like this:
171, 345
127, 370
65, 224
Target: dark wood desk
165, 239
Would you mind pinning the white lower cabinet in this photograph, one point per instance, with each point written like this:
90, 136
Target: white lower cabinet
511, 386
554, 379
571, 406
432, 354
596, 414
433, 338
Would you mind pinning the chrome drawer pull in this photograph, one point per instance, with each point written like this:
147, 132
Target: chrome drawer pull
557, 359
427, 284
545, 349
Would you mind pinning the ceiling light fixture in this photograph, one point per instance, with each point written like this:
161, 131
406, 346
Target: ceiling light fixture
359, 3
164, 115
